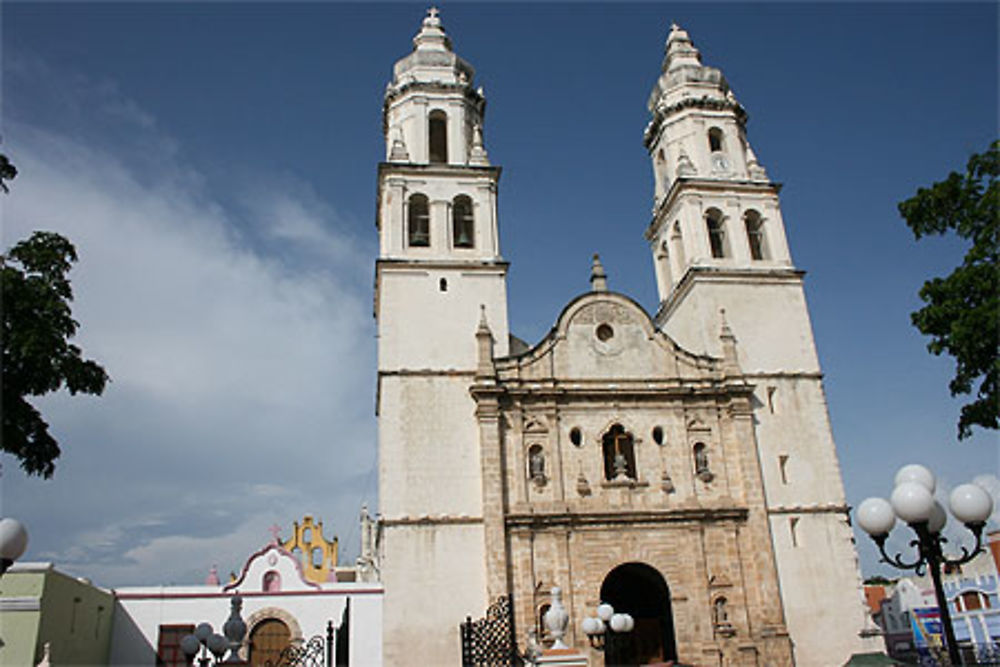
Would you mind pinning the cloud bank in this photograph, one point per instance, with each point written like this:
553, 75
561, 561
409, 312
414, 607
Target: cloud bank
234, 319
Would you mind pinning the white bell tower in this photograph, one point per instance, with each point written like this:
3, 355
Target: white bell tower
439, 267
718, 243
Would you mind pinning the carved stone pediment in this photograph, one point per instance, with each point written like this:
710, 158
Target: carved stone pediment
535, 424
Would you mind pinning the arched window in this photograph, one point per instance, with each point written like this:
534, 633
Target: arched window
271, 582
755, 235
715, 140
716, 232
619, 454
419, 222
438, 137
462, 223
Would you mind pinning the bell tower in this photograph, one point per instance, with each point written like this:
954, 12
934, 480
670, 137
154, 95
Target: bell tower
439, 267
718, 243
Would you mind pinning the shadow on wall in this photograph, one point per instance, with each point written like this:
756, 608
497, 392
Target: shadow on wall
128, 645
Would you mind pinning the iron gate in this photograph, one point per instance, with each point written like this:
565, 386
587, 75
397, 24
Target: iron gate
491, 641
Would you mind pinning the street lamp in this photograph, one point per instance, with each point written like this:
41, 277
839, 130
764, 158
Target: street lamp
207, 641
13, 542
606, 630
912, 500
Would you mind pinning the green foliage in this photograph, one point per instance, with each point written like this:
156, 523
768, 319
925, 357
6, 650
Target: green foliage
37, 355
963, 310
877, 580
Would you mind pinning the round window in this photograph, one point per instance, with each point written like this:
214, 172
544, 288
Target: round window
575, 436
605, 332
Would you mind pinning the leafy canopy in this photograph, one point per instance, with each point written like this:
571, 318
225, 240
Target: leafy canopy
962, 313
37, 355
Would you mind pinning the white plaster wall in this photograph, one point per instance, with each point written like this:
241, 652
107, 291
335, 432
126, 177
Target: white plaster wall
821, 589
428, 448
420, 327
769, 318
139, 613
434, 577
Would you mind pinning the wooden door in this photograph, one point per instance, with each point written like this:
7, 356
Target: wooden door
269, 638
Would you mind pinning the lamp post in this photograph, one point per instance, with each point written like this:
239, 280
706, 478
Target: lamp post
912, 500
13, 542
206, 641
606, 630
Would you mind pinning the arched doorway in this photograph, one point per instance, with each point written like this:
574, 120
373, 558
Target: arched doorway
267, 640
639, 590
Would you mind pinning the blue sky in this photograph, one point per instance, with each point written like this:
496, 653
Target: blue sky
215, 165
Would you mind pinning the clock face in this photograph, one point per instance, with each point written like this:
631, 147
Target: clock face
719, 162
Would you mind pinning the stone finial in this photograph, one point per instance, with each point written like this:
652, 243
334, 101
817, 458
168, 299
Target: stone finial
685, 167
730, 361
598, 278
432, 36
556, 619
754, 168
680, 50
484, 347
398, 152
478, 155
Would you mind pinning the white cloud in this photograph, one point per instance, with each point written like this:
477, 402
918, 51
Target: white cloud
240, 351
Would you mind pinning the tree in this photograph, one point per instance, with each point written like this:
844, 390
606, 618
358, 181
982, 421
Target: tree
962, 313
37, 355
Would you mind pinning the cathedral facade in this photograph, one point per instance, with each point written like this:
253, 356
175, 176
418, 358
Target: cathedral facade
679, 465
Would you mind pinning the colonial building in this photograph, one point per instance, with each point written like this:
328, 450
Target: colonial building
679, 466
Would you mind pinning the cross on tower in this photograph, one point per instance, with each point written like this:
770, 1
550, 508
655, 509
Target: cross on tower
275, 529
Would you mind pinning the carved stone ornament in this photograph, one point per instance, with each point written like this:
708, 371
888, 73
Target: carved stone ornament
557, 619
666, 483
582, 485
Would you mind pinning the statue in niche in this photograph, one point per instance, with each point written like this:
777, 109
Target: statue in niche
701, 463
536, 465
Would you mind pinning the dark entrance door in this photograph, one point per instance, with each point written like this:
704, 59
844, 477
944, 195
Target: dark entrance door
640, 590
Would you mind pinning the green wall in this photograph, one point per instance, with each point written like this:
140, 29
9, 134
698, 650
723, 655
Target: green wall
74, 618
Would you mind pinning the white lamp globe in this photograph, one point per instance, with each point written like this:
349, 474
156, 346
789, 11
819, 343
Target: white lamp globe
970, 503
592, 626
605, 611
618, 622
875, 516
912, 502
629, 622
13, 539
914, 472
203, 632
217, 644
190, 645
937, 519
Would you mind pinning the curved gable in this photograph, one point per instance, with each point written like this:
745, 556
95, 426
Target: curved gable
604, 335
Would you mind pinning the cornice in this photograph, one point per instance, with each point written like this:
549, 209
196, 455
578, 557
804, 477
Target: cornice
438, 169
570, 519
425, 520
817, 508
705, 103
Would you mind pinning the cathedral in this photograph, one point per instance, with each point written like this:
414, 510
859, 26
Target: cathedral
678, 465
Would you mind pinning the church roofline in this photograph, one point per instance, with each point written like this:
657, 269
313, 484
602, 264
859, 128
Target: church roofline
558, 328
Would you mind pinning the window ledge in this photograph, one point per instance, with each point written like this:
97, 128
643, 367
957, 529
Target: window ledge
624, 483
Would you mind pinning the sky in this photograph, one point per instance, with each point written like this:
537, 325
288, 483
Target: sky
214, 163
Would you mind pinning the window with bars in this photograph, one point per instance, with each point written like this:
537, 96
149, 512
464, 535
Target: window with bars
168, 645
